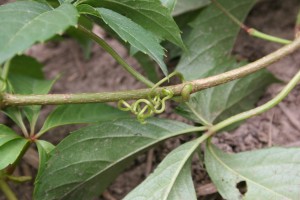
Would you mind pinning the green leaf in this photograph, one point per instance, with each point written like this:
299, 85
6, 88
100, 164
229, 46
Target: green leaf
15, 114
88, 160
11, 146
81, 113
267, 174
208, 44
66, 1
218, 103
172, 179
148, 66
151, 15
26, 66
44, 149
52, 3
183, 6
84, 41
183, 23
145, 61
27, 85
170, 4
26, 22
136, 35
85, 9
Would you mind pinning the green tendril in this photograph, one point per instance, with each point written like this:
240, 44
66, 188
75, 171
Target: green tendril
145, 108
154, 104
186, 92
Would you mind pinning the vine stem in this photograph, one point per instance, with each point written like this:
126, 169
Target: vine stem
251, 31
116, 56
258, 110
200, 84
7, 191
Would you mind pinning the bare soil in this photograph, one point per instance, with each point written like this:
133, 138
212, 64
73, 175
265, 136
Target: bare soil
278, 127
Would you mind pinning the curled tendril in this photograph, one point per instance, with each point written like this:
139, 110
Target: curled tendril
144, 108
186, 92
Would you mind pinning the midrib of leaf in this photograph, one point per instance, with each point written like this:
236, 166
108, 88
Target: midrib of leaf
134, 152
144, 46
134, 10
185, 159
240, 175
25, 26
132, 36
106, 137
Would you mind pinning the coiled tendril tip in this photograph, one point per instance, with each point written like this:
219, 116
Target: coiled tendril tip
144, 108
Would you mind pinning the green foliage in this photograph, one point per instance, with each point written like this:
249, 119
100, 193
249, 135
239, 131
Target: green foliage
26, 85
83, 164
79, 114
24, 23
44, 149
84, 41
80, 174
173, 176
184, 6
268, 174
170, 4
151, 15
209, 45
218, 103
148, 66
11, 146
26, 66
136, 35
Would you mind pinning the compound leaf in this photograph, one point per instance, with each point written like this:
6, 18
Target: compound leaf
86, 162
209, 47
261, 174
27, 85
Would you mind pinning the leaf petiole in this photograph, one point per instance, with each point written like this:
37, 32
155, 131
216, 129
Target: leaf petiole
251, 31
255, 33
261, 109
7, 191
116, 56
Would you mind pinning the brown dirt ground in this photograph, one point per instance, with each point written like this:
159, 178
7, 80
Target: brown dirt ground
279, 126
